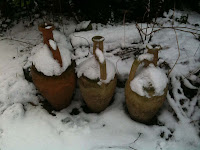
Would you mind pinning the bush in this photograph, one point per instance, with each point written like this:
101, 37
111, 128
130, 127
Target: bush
103, 11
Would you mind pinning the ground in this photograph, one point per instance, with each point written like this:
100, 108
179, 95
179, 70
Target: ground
28, 122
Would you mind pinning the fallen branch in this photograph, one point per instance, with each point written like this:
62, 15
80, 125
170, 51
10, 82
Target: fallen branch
160, 28
138, 28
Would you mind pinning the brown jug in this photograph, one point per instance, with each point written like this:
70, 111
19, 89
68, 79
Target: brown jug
58, 90
97, 97
142, 108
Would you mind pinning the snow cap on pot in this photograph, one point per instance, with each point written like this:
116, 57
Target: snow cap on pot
52, 57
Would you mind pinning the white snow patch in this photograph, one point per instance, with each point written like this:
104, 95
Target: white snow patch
114, 35
100, 55
151, 76
44, 62
146, 56
90, 68
82, 25
48, 27
53, 44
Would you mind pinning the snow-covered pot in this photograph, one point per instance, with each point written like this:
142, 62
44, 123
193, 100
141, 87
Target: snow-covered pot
146, 91
97, 92
54, 79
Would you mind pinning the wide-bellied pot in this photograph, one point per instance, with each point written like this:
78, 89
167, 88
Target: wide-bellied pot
56, 88
143, 102
97, 97
97, 92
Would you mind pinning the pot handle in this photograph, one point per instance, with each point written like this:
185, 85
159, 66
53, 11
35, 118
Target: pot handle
153, 51
98, 43
134, 67
136, 63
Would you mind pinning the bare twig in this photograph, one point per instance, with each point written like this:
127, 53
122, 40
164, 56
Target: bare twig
124, 19
175, 28
138, 28
197, 50
193, 72
173, 15
160, 28
178, 49
138, 137
83, 38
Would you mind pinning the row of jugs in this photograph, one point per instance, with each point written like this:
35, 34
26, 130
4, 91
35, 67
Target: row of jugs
58, 90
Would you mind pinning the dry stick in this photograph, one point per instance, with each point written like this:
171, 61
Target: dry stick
124, 24
176, 28
137, 137
196, 50
138, 28
154, 23
152, 31
193, 72
177, 45
83, 38
146, 31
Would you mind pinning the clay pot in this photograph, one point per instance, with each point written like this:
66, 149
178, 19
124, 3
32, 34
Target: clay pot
58, 90
97, 97
142, 108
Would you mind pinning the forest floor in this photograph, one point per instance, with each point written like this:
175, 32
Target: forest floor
27, 121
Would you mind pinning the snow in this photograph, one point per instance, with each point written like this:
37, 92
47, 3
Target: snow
90, 68
147, 56
48, 27
53, 44
43, 60
82, 25
149, 77
26, 124
100, 55
113, 36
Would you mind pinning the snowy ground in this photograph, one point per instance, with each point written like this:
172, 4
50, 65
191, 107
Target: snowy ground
28, 123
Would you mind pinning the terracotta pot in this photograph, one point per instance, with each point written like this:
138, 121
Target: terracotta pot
58, 90
142, 108
97, 97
